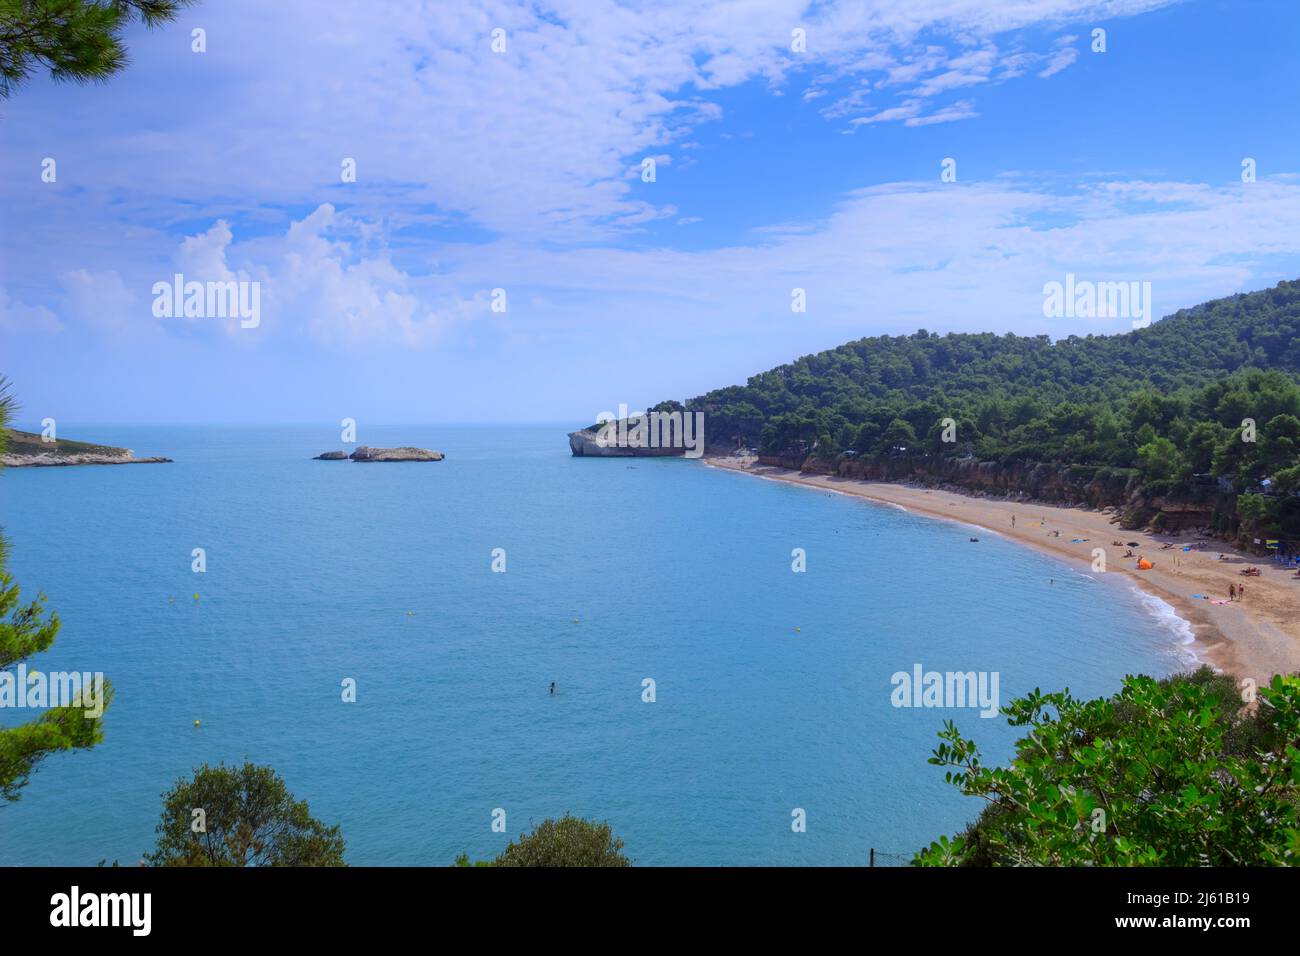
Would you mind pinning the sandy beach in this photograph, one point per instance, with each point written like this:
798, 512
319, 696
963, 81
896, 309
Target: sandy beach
1255, 636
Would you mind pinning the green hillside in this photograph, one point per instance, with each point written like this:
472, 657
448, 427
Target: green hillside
30, 444
1207, 393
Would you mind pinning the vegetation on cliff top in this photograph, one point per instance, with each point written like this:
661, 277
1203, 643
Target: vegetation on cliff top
1207, 393
30, 444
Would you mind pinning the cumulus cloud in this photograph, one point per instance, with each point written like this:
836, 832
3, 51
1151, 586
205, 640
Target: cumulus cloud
327, 280
340, 298
890, 256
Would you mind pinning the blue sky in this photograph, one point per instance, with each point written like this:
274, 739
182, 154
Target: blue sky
520, 170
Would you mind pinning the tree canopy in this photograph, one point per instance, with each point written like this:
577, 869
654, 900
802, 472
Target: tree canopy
27, 629
74, 40
1207, 393
568, 841
241, 816
1186, 771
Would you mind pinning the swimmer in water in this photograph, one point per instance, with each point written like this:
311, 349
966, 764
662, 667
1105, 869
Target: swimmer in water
552, 688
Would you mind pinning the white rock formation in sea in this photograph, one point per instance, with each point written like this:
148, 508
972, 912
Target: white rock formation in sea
366, 453
583, 444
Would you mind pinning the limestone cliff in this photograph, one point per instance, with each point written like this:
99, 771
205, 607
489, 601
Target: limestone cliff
583, 445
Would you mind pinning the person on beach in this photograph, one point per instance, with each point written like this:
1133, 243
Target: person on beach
1232, 592
1013, 521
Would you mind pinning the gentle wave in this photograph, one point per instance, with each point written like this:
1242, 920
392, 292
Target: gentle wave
1168, 618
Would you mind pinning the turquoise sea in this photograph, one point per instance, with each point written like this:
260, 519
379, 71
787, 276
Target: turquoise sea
773, 688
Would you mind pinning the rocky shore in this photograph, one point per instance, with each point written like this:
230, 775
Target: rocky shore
29, 450
366, 453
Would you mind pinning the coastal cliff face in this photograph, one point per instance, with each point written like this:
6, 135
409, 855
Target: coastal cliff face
809, 466
29, 450
1057, 484
583, 445
1100, 488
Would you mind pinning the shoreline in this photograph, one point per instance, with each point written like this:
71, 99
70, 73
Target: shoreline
1256, 636
71, 461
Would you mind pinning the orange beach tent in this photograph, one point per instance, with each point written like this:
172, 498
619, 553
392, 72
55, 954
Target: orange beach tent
1144, 564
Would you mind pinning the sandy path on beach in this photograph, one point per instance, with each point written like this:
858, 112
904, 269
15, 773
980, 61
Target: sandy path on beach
1257, 636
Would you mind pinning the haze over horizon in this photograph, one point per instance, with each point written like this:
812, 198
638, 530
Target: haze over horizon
521, 170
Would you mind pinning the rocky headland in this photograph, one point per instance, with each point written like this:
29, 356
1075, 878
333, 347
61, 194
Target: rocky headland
29, 450
583, 444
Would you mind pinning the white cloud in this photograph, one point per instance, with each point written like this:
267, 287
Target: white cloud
532, 142
538, 149
322, 282
1062, 58
17, 317
644, 324
963, 109
953, 255
101, 301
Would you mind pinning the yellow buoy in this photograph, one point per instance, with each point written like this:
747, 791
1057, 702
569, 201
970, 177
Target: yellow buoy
196, 723
196, 595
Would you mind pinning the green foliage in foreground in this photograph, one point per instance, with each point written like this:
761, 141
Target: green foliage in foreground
568, 841
249, 818
25, 631
1176, 772
76, 40
8, 409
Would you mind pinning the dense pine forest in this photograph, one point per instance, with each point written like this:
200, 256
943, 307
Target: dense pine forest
1195, 419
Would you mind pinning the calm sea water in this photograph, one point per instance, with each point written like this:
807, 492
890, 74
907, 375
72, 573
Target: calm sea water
773, 688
